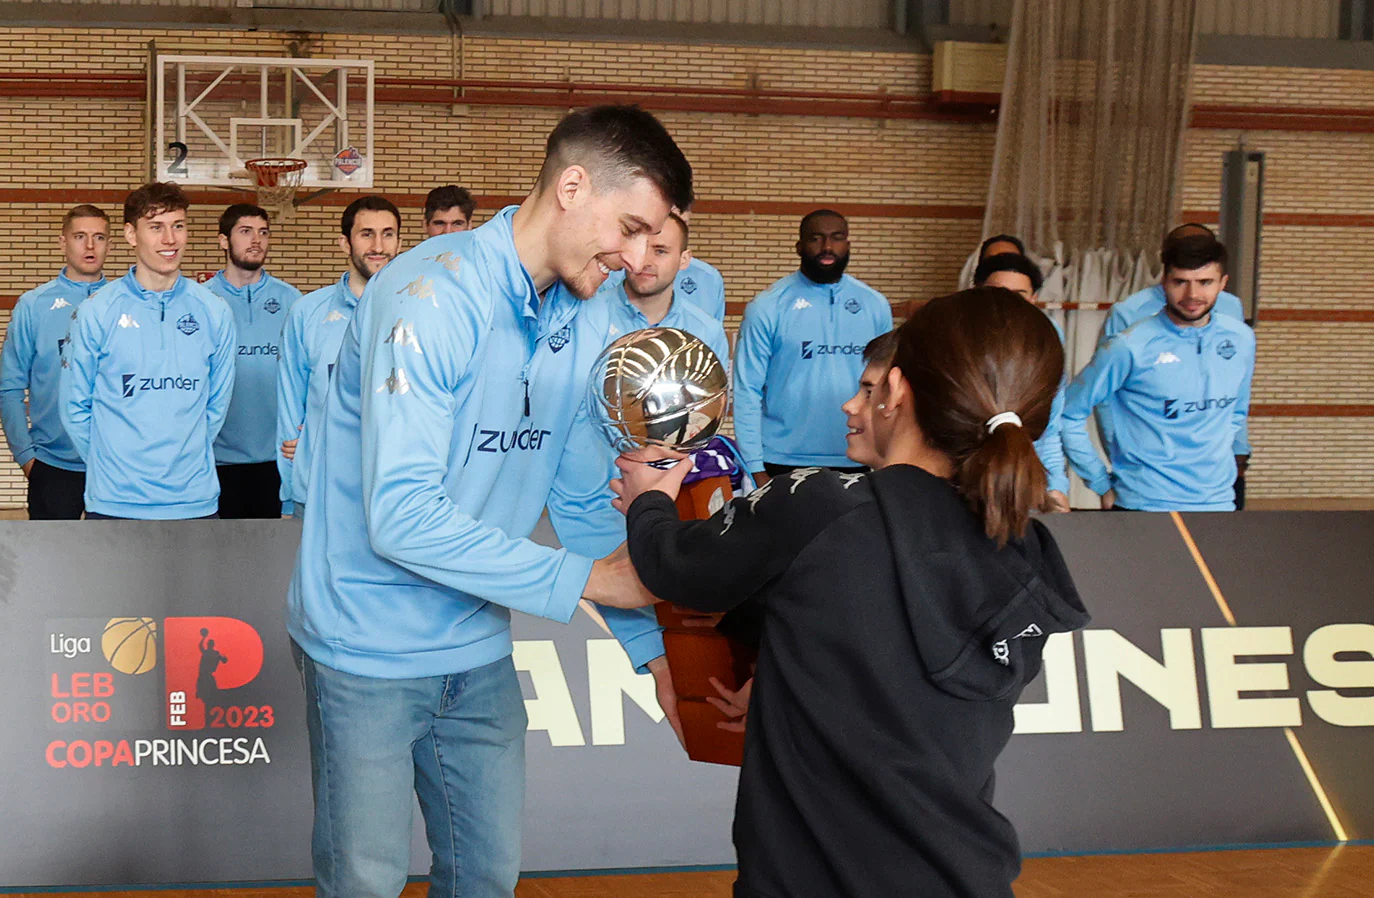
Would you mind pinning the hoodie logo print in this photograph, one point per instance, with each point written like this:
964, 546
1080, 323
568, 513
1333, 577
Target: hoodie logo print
403, 334
848, 480
396, 383
127, 320
1001, 649
758, 494
729, 519
188, 324
448, 260
799, 477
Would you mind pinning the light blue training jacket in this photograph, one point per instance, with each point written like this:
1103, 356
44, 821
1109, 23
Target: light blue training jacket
1177, 396
31, 363
798, 358
1150, 301
455, 414
309, 346
145, 390
249, 435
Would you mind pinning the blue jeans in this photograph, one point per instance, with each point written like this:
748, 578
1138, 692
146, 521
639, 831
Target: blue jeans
456, 741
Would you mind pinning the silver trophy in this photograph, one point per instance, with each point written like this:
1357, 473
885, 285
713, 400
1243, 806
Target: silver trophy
658, 387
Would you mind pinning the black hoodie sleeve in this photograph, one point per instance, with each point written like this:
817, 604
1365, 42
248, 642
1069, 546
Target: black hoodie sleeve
715, 564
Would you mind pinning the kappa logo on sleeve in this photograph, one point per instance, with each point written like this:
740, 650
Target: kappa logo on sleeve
403, 334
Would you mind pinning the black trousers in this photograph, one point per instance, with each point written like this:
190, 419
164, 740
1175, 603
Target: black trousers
773, 470
249, 491
56, 494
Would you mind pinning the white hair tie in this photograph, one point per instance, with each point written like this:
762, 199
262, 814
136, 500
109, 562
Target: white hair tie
1001, 418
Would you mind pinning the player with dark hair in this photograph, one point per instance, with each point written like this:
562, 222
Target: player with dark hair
448, 209
1144, 303
1001, 244
904, 612
451, 421
799, 354
371, 237
1015, 272
246, 449
148, 376
1178, 387
31, 366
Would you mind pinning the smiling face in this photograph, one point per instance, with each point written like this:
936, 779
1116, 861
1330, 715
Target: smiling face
1191, 293
597, 232
247, 243
84, 243
373, 242
665, 258
158, 239
859, 442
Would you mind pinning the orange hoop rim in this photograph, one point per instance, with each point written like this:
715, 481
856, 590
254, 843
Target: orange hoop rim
271, 170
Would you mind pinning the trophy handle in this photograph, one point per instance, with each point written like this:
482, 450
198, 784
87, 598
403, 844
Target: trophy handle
695, 654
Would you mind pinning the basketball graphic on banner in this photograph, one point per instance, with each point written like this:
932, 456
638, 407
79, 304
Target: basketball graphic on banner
130, 644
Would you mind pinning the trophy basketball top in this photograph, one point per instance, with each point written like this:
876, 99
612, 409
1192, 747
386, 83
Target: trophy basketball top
658, 387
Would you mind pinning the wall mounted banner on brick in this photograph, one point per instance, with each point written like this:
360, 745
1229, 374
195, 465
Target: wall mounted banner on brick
1222, 695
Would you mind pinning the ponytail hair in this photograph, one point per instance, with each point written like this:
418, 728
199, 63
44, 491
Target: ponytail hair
968, 358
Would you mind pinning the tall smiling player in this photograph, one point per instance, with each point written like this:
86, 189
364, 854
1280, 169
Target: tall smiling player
452, 420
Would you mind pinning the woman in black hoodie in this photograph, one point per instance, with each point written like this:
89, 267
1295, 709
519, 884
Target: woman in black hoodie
904, 611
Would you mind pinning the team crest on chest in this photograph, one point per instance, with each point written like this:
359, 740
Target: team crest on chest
689, 286
188, 324
1226, 349
851, 306
559, 339
271, 307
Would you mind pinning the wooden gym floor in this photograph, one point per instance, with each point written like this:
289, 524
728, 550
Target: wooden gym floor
1343, 872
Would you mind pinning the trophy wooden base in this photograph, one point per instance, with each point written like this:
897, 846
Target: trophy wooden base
695, 654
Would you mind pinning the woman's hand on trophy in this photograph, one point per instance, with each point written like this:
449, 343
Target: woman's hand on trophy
614, 583
648, 469
734, 705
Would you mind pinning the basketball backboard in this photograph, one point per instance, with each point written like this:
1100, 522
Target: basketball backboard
214, 113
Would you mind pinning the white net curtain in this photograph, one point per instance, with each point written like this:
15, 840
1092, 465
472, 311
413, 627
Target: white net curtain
1089, 146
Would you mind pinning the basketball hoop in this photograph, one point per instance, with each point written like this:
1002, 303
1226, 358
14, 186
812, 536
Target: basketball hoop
276, 180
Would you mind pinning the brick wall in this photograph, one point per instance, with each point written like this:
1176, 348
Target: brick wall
921, 183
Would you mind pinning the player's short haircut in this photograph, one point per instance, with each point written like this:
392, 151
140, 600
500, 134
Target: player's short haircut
616, 144
681, 223
1187, 229
1001, 238
1193, 252
229, 218
811, 218
371, 203
1008, 262
447, 197
154, 198
881, 349
85, 210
